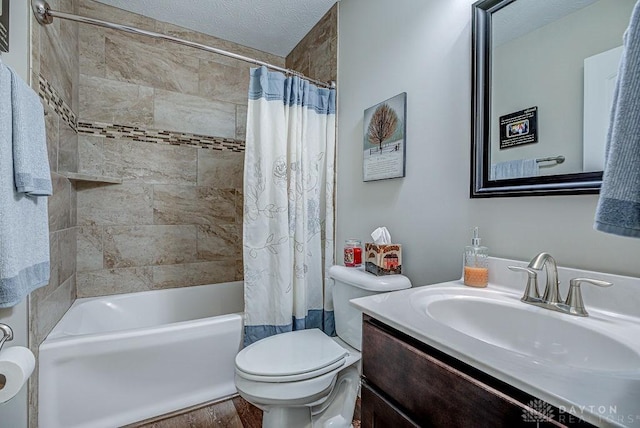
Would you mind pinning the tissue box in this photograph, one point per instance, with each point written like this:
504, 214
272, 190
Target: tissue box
383, 259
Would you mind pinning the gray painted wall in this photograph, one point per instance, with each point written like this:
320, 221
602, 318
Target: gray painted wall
423, 48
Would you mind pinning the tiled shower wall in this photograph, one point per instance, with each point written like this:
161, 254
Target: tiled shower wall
170, 122
316, 55
54, 58
176, 220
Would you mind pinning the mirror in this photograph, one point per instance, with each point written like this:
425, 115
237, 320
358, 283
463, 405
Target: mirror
543, 78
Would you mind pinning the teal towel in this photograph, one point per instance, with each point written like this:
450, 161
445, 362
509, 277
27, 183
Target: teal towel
30, 161
618, 209
24, 228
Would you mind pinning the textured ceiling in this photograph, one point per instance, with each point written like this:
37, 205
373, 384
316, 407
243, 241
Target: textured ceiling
523, 16
274, 26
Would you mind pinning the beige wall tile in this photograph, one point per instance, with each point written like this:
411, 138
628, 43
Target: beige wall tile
149, 162
109, 101
51, 123
68, 43
239, 270
53, 65
183, 33
192, 205
90, 154
90, 255
298, 60
322, 62
68, 250
114, 281
239, 206
36, 31
67, 149
325, 29
91, 51
188, 274
73, 200
94, 9
46, 313
223, 82
124, 204
54, 271
58, 58
187, 113
241, 122
127, 246
316, 54
57, 46
223, 170
154, 67
59, 204
221, 241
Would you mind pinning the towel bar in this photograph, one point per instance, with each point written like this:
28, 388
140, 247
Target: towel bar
557, 159
7, 334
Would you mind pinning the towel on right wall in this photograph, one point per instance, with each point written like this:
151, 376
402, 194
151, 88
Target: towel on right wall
618, 209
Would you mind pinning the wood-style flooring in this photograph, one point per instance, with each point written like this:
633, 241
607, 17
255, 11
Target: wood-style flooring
232, 413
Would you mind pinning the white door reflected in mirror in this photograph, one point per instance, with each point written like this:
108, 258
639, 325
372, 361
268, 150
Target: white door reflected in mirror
600, 74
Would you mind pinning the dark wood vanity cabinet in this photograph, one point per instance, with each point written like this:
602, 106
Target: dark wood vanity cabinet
409, 384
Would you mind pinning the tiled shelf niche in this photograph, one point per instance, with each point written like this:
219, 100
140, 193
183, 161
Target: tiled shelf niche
75, 176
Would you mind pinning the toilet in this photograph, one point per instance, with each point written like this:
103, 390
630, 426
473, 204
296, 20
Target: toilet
305, 378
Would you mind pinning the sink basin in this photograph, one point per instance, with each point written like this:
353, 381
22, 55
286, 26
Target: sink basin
538, 334
591, 364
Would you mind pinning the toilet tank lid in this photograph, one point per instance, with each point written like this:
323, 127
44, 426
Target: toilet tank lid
368, 281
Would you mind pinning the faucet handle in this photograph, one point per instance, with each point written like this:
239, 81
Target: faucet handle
531, 292
574, 298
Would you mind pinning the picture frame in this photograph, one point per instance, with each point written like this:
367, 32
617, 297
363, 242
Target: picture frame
384, 139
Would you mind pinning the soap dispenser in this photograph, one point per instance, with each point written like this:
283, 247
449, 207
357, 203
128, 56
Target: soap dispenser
476, 263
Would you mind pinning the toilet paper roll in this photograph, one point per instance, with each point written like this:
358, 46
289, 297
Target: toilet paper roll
16, 365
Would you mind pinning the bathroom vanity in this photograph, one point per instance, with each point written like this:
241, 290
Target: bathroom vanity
407, 383
449, 355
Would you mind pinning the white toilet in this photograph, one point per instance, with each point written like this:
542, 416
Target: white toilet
305, 378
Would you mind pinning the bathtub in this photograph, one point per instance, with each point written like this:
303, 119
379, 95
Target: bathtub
115, 360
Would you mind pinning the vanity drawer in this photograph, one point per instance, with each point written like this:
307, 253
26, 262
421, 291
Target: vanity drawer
430, 391
377, 412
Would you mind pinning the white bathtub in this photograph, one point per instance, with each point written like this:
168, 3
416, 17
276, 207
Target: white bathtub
115, 360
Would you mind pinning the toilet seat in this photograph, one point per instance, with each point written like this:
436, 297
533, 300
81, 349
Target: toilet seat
289, 357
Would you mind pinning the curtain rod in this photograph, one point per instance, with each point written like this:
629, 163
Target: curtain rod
44, 14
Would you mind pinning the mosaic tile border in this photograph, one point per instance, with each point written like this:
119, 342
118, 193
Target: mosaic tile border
132, 133
50, 96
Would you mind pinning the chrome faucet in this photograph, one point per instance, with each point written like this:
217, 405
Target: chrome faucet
552, 291
551, 299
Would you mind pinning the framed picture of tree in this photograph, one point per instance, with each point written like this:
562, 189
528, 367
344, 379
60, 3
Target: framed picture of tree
383, 145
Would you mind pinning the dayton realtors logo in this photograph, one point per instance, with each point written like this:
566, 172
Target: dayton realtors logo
537, 411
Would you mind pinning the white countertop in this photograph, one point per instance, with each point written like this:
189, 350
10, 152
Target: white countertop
603, 398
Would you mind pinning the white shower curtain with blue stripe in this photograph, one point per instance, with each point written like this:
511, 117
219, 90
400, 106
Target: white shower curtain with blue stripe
288, 205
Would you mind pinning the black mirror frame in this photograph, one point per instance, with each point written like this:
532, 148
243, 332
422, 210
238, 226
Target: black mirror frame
481, 186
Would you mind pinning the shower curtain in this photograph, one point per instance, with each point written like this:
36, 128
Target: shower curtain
288, 206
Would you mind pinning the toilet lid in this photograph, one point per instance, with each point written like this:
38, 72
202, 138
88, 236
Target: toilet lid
290, 356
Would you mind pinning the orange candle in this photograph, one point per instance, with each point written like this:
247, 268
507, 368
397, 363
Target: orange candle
476, 276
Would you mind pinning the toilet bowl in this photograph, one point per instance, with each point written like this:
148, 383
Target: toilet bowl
305, 378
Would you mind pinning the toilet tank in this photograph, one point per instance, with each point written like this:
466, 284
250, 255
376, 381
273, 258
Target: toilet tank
350, 283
